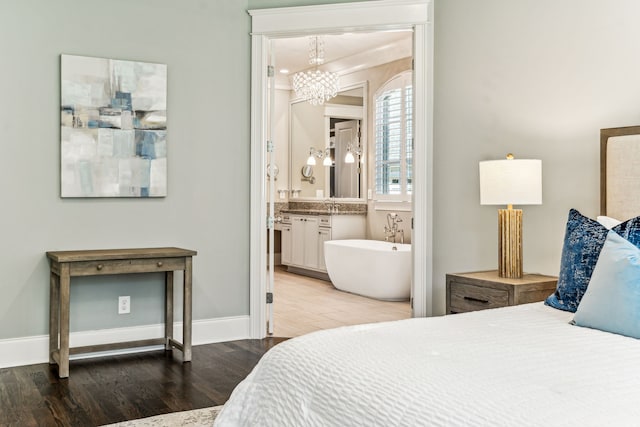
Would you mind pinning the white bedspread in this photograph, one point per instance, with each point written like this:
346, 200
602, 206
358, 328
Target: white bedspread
516, 366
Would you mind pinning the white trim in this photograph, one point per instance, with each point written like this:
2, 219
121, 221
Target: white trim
392, 205
337, 18
422, 235
35, 349
344, 111
258, 202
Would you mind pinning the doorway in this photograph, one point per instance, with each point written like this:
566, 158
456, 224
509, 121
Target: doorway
365, 16
342, 133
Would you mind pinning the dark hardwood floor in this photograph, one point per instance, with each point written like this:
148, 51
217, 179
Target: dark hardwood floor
116, 388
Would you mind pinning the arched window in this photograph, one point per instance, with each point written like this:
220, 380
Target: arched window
393, 131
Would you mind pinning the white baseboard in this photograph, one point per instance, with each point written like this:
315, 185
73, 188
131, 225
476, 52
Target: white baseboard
35, 349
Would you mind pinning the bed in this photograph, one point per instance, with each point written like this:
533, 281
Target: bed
572, 360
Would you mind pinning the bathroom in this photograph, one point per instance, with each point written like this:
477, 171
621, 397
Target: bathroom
334, 198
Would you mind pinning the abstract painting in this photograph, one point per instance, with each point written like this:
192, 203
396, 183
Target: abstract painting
113, 128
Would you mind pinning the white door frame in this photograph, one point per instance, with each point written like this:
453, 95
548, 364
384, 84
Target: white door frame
339, 18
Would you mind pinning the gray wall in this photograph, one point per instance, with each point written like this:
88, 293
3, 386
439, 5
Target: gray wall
206, 46
539, 79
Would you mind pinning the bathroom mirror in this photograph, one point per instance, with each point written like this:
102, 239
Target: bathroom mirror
307, 174
272, 171
307, 171
331, 128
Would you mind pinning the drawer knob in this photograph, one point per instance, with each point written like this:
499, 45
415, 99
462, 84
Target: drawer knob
159, 263
99, 266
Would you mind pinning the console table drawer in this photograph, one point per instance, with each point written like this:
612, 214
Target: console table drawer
92, 268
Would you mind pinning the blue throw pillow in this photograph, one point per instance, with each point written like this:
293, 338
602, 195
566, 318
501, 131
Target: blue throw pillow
630, 230
583, 241
612, 301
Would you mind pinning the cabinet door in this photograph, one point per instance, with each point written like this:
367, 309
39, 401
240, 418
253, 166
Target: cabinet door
311, 242
285, 241
324, 234
297, 240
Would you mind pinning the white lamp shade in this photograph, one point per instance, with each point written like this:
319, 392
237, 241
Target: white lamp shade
511, 182
311, 161
348, 158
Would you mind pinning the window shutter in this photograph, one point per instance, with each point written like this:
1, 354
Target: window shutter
394, 137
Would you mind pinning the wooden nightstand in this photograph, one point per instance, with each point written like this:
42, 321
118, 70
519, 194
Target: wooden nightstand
485, 289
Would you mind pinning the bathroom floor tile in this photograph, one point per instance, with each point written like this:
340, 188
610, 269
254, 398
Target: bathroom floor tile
303, 304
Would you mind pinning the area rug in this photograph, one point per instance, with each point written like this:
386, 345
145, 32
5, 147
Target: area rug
194, 418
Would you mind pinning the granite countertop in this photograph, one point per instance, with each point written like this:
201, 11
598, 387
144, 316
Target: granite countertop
322, 212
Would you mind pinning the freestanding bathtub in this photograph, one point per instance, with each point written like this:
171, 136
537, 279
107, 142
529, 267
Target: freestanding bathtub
370, 268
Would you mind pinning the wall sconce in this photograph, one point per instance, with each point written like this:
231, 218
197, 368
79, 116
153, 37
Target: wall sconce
349, 157
313, 153
510, 182
327, 158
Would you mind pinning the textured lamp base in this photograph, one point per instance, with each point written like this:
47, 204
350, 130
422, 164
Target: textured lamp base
510, 243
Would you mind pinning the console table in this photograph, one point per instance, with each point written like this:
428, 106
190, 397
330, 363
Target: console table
67, 264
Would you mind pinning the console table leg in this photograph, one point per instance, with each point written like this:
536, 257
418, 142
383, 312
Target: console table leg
63, 364
54, 314
168, 309
187, 307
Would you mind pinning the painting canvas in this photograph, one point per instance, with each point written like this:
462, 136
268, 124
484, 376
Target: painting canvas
113, 128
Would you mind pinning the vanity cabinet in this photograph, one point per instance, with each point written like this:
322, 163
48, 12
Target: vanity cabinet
303, 238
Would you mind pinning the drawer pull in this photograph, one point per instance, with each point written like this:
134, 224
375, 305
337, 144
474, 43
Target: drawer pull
99, 266
472, 299
159, 263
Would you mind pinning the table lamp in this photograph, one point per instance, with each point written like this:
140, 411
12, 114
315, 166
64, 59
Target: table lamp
510, 182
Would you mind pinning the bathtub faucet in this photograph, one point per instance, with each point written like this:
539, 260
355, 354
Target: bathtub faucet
391, 230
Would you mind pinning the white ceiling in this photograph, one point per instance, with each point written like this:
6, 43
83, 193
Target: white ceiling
343, 53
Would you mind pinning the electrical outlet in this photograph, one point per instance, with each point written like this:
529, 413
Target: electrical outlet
124, 305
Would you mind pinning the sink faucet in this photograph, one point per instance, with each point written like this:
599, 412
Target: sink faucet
332, 206
391, 230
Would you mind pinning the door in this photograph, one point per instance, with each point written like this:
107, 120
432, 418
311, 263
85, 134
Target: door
311, 242
271, 164
347, 136
297, 240
304, 241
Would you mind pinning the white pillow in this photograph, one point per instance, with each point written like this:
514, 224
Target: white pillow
612, 300
608, 222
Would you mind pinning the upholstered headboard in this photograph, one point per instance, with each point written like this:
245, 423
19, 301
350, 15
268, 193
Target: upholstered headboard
620, 172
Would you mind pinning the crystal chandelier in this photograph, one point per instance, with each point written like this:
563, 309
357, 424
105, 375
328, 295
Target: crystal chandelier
316, 86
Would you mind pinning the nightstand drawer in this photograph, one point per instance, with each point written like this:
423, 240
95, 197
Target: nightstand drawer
480, 290
465, 297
